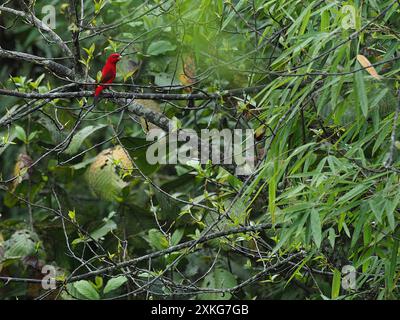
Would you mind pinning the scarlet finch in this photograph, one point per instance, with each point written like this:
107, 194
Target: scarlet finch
108, 73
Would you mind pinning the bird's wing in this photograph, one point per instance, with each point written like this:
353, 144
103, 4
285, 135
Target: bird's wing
107, 76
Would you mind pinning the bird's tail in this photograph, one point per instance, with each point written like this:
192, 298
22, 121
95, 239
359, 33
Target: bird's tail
99, 89
97, 92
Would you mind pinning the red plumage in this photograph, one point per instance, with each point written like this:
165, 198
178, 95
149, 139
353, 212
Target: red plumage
108, 73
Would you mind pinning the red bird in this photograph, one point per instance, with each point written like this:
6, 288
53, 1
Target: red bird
108, 73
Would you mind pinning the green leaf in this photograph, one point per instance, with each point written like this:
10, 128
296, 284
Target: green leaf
218, 279
316, 228
21, 244
80, 136
305, 20
390, 207
137, 148
332, 237
103, 230
325, 16
159, 47
378, 207
35, 84
361, 93
20, 133
168, 206
271, 197
165, 79
356, 191
157, 239
367, 234
98, 282
393, 265
114, 284
129, 74
177, 236
6, 140
86, 289
32, 135
358, 226
232, 14
72, 214
336, 281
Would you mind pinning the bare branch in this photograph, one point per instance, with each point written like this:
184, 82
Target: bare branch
175, 248
32, 19
75, 30
133, 95
55, 67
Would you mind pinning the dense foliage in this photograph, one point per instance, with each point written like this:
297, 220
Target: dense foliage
318, 83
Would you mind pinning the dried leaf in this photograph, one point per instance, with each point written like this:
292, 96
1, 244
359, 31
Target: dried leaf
366, 64
188, 75
21, 170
